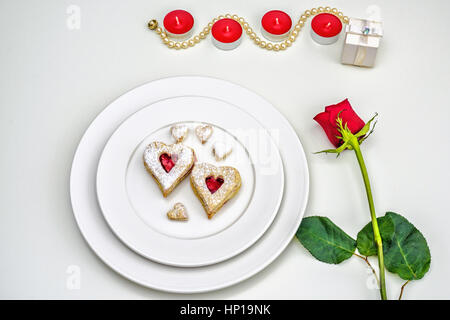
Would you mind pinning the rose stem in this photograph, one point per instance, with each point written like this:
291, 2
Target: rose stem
401, 291
377, 237
368, 263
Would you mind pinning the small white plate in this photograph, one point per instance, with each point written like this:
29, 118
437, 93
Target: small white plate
136, 211
158, 276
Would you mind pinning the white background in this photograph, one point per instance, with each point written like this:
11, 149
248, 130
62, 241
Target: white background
54, 81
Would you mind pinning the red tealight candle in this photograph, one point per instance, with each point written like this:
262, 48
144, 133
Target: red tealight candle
179, 24
276, 25
226, 34
325, 28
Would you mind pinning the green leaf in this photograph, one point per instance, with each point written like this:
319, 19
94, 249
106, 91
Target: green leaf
325, 240
407, 254
365, 239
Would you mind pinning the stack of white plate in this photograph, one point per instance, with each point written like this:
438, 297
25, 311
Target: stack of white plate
122, 213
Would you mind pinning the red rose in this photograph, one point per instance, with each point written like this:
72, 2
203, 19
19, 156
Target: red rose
327, 120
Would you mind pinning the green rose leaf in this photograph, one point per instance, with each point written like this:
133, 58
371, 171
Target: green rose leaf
325, 240
365, 239
407, 254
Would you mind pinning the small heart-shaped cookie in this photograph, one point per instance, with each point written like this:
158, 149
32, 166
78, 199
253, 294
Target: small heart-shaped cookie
178, 212
168, 164
221, 150
203, 132
179, 132
214, 186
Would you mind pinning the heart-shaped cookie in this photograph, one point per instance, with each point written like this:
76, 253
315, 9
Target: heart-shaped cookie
221, 150
203, 132
168, 164
178, 212
179, 132
214, 186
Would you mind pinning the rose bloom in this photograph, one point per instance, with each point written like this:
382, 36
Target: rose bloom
327, 120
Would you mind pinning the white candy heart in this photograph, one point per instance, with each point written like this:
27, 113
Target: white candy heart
178, 212
221, 150
179, 132
203, 132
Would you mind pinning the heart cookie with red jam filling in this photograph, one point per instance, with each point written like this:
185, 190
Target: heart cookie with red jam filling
168, 164
214, 186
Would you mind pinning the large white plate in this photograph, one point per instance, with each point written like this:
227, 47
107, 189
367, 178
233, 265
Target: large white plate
135, 209
200, 279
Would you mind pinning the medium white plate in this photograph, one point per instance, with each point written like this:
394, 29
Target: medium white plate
187, 280
136, 211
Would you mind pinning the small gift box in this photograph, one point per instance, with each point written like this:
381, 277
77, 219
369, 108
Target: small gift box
362, 39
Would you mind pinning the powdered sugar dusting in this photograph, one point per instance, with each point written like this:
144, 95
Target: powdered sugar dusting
178, 212
183, 155
203, 132
221, 150
179, 132
212, 201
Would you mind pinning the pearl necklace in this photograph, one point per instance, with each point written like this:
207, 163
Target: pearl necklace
153, 25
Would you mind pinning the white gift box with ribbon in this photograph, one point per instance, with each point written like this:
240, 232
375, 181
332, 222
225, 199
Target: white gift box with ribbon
362, 39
